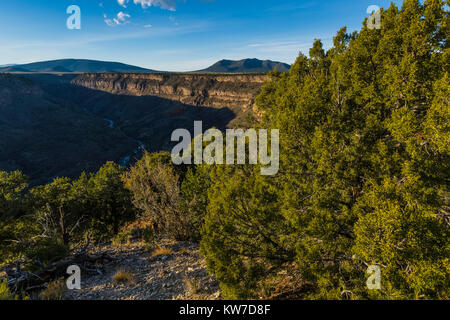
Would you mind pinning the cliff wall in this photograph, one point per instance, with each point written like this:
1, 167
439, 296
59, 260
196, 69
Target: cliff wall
206, 90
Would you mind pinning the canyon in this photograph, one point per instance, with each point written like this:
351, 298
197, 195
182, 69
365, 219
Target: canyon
56, 125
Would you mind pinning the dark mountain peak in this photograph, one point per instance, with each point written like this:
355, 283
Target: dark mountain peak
246, 66
224, 62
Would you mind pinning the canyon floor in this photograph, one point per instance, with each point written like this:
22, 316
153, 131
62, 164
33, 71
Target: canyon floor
174, 271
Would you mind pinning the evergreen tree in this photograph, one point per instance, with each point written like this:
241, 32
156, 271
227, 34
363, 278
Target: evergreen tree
364, 170
110, 203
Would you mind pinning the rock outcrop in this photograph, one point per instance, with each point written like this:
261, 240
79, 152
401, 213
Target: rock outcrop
202, 90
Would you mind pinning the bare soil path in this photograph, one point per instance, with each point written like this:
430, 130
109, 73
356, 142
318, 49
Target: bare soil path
178, 273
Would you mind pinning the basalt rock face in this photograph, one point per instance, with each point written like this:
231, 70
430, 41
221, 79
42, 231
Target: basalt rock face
236, 92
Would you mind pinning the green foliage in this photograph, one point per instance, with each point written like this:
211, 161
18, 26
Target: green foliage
16, 236
97, 203
21, 239
148, 236
5, 294
13, 187
60, 213
364, 179
364, 169
121, 238
56, 208
244, 235
46, 251
155, 186
109, 201
194, 190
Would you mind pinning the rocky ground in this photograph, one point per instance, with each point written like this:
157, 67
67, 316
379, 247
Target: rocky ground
175, 271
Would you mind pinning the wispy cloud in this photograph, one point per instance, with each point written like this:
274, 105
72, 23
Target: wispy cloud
293, 7
121, 18
150, 32
164, 4
280, 46
289, 46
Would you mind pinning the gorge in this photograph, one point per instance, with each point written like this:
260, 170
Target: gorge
56, 125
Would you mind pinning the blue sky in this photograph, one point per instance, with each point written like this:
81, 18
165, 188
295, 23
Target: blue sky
173, 35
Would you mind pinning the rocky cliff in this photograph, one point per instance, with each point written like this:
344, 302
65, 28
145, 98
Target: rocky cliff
236, 92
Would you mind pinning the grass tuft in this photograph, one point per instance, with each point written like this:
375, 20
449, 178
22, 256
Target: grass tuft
124, 277
192, 285
161, 252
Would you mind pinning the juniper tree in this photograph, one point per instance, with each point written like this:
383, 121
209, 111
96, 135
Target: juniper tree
364, 170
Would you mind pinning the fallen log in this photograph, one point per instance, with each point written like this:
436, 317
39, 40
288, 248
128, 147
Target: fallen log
20, 281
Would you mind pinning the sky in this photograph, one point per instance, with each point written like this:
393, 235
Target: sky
173, 35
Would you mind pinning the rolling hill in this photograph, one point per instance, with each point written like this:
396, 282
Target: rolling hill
12, 69
74, 66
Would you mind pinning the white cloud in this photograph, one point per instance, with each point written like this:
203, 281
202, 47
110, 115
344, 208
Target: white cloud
122, 3
164, 4
148, 26
109, 22
122, 16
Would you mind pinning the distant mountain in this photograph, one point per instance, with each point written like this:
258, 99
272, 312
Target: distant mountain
75, 66
246, 66
7, 65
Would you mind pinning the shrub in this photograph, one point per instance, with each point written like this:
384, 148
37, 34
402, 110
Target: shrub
5, 294
13, 188
194, 189
192, 285
124, 277
54, 291
161, 252
16, 236
56, 209
148, 236
155, 187
46, 251
245, 237
122, 237
21, 240
110, 203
